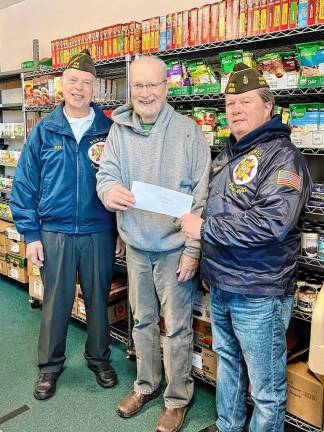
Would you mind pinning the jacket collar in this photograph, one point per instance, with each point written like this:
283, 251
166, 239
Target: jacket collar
57, 122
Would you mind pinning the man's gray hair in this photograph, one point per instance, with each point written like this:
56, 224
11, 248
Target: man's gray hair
267, 96
148, 58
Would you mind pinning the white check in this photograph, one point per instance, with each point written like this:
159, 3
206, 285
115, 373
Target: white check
158, 199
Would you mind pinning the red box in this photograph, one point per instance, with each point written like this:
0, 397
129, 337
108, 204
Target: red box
185, 28
178, 42
249, 18
236, 19
312, 15
214, 22
205, 31
199, 38
193, 27
270, 16
229, 19
222, 20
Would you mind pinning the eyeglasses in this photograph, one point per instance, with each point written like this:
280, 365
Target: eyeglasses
150, 86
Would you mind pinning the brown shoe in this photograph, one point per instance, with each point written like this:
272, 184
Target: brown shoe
171, 419
134, 402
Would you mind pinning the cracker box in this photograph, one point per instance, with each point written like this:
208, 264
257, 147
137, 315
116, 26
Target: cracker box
185, 28
284, 15
174, 18
205, 31
214, 22
256, 19
222, 20
162, 45
277, 15
200, 23
236, 19
293, 8
302, 13
229, 19
169, 31
178, 42
243, 19
321, 12
312, 13
204, 361
270, 12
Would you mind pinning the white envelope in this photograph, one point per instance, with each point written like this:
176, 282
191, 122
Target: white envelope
158, 199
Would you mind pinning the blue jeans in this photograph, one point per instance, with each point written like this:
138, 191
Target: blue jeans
250, 343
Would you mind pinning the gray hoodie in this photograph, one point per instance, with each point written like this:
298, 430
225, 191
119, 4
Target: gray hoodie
174, 155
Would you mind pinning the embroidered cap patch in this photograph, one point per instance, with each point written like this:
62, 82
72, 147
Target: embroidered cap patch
289, 178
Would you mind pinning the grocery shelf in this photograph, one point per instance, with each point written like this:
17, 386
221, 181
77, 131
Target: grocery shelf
12, 75
292, 93
300, 424
205, 378
314, 210
51, 70
118, 330
303, 316
11, 107
273, 39
49, 108
5, 190
312, 151
314, 262
8, 165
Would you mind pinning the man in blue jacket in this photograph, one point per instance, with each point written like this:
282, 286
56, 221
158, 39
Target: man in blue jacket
66, 227
250, 232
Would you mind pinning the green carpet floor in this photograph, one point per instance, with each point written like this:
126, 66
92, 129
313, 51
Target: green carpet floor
79, 404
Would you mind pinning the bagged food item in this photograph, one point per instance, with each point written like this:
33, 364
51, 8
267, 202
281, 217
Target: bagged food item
222, 130
304, 122
206, 119
177, 77
311, 59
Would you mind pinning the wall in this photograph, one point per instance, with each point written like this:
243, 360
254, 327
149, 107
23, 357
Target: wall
46, 20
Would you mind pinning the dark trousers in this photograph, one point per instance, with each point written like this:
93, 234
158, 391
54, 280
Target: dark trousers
92, 255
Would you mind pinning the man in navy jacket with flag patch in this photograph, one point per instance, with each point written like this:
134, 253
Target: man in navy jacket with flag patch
250, 233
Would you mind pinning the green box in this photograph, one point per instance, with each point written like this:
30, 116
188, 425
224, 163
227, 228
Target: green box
310, 81
14, 259
206, 88
179, 91
27, 64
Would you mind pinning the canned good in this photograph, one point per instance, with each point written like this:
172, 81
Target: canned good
306, 298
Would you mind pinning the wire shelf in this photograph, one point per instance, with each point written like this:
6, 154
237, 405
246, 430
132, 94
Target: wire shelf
314, 210
314, 262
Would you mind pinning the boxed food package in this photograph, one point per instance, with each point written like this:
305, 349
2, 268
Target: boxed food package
28, 93
321, 12
58, 90
205, 30
16, 272
174, 21
272, 67
235, 19
256, 17
204, 361
229, 19
311, 60
277, 15
304, 123
117, 311
16, 247
193, 27
36, 288
312, 13
222, 20
302, 13
293, 13
214, 22
201, 305
185, 28
200, 24
169, 31
270, 12
284, 15
202, 333
305, 396
243, 19
33, 270
178, 41
222, 130
163, 36
3, 267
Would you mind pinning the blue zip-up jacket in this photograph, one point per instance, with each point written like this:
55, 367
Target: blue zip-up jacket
251, 234
54, 188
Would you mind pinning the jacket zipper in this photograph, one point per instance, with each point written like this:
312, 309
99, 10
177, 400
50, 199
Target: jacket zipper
78, 187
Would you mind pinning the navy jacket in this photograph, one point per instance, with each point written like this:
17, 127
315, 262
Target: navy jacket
251, 235
54, 188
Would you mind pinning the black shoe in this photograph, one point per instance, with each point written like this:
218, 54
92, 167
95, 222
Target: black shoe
105, 374
45, 385
211, 428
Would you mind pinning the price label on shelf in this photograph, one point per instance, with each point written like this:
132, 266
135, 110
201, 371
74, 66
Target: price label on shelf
14, 273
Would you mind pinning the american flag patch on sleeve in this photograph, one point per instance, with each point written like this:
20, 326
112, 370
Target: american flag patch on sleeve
289, 178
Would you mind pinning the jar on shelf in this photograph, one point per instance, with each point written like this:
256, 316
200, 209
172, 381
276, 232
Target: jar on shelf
320, 245
309, 241
306, 298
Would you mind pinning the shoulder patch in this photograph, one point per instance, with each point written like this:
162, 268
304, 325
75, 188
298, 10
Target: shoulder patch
289, 178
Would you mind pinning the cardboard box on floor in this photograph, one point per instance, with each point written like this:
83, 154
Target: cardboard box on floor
305, 398
33, 270
3, 268
202, 333
36, 288
204, 361
3, 226
16, 272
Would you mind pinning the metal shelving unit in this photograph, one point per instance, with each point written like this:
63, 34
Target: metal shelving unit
314, 210
312, 151
11, 106
314, 262
103, 105
303, 316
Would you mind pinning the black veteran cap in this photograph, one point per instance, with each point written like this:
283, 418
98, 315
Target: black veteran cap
82, 61
243, 79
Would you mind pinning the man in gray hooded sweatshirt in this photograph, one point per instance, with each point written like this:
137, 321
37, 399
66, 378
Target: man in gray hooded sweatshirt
151, 143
